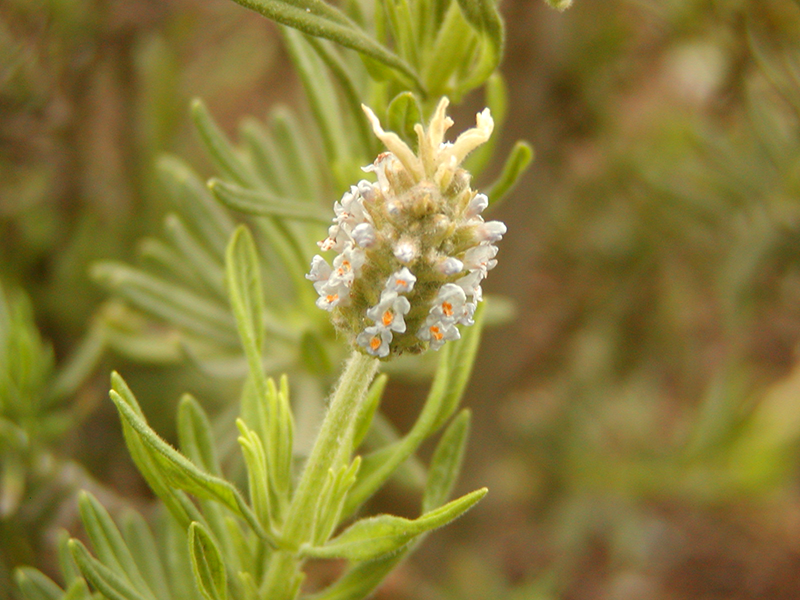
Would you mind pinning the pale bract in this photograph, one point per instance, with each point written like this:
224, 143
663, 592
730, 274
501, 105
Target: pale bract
412, 248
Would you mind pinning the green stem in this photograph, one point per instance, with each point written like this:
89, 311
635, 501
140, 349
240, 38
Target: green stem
331, 450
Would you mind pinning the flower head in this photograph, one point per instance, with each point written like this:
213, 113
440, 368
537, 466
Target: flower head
412, 248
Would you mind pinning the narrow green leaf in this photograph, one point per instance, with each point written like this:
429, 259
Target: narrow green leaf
322, 98
247, 300
144, 549
173, 303
461, 362
79, 590
109, 545
219, 148
207, 566
302, 158
329, 23
374, 537
269, 163
205, 215
368, 409
179, 470
516, 164
265, 204
35, 585
105, 580
194, 256
446, 462
403, 112
195, 435
484, 16
342, 72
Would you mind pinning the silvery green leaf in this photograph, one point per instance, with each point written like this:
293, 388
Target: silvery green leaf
207, 566
461, 361
315, 354
35, 585
105, 580
342, 72
322, 99
402, 114
299, 153
174, 467
219, 147
446, 462
368, 409
264, 203
69, 570
194, 256
374, 537
205, 215
195, 435
78, 591
247, 298
516, 164
109, 545
485, 18
323, 20
269, 163
144, 549
174, 304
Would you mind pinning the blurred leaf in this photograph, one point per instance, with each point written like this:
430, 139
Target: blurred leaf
104, 579
446, 462
516, 164
374, 537
35, 585
207, 565
265, 204
402, 114
319, 19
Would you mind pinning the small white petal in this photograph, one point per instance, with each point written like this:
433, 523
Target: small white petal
405, 252
450, 266
364, 235
401, 282
476, 206
375, 340
491, 231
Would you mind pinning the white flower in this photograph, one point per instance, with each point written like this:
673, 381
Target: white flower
389, 312
320, 272
468, 314
401, 281
491, 231
405, 251
437, 332
450, 266
375, 340
481, 258
329, 298
449, 303
363, 234
347, 264
476, 206
471, 284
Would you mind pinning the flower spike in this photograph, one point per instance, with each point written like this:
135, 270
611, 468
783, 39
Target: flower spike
411, 249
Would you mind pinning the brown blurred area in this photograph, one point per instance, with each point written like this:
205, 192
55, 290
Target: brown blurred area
637, 423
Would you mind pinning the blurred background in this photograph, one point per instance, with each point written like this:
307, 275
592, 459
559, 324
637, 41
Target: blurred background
637, 422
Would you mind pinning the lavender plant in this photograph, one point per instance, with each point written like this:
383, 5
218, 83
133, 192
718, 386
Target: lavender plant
411, 252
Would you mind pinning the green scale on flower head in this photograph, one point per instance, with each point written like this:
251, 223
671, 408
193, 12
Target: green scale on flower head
412, 249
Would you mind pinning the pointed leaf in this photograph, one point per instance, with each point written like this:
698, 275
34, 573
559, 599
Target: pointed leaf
178, 469
109, 545
516, 164
207, 566
195, 435
323, 20
446, 462
35, 585
219, 147
265, 204
374, 537
106, 581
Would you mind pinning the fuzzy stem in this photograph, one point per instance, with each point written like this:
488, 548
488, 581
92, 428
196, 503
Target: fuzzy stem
331, 450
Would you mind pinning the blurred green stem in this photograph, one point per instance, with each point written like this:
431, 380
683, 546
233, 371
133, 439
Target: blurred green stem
331, 450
